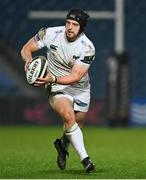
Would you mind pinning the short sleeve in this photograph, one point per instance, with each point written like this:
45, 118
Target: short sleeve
87, 55
40, 36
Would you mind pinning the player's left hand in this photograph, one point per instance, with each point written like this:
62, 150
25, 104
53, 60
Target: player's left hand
42, 81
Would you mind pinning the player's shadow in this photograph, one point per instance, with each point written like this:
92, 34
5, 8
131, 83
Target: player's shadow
74, 172
78, 172
62, 172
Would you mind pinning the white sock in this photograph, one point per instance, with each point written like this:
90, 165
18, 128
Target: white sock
76, 138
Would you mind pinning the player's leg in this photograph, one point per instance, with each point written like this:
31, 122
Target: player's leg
79, 117
81, 105
64, 107
87, 163
81, 100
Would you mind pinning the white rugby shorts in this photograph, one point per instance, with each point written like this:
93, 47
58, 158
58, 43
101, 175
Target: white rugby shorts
79, 96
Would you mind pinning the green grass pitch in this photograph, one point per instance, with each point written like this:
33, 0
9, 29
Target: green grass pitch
28, 152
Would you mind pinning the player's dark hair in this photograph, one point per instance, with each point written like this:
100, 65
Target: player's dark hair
80, 16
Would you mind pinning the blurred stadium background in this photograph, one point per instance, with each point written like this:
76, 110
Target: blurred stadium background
23, 104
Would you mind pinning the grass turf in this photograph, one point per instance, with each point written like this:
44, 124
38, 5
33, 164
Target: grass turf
28, 152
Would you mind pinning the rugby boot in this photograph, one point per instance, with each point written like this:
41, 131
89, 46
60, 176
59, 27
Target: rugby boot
88, 165
62, 154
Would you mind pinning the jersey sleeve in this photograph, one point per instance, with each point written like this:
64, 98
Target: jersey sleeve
87, 55
40, 37
46, 36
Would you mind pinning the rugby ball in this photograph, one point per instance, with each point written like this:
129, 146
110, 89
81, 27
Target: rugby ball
36, 69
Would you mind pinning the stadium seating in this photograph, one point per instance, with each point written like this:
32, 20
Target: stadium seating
17, 28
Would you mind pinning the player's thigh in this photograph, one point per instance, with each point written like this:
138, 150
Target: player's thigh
62, 105
80, 117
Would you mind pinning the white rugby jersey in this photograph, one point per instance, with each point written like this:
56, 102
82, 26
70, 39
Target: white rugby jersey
62, 55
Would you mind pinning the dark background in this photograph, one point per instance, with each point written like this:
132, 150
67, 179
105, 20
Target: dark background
21, 103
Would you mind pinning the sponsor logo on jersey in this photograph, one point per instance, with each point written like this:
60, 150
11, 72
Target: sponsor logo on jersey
42, 33
59, 31
53, 47
88, 59
36, 37
76, 57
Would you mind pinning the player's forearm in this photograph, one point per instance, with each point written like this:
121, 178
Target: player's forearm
77, 73
66, 80
26, 54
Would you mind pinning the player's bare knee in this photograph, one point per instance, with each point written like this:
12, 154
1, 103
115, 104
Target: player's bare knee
68, 116
69, 119
62, 111
65, 113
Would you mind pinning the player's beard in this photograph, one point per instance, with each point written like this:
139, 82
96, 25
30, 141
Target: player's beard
71, 36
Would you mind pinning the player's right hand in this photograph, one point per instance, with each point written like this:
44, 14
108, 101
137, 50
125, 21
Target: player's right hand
49, 78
